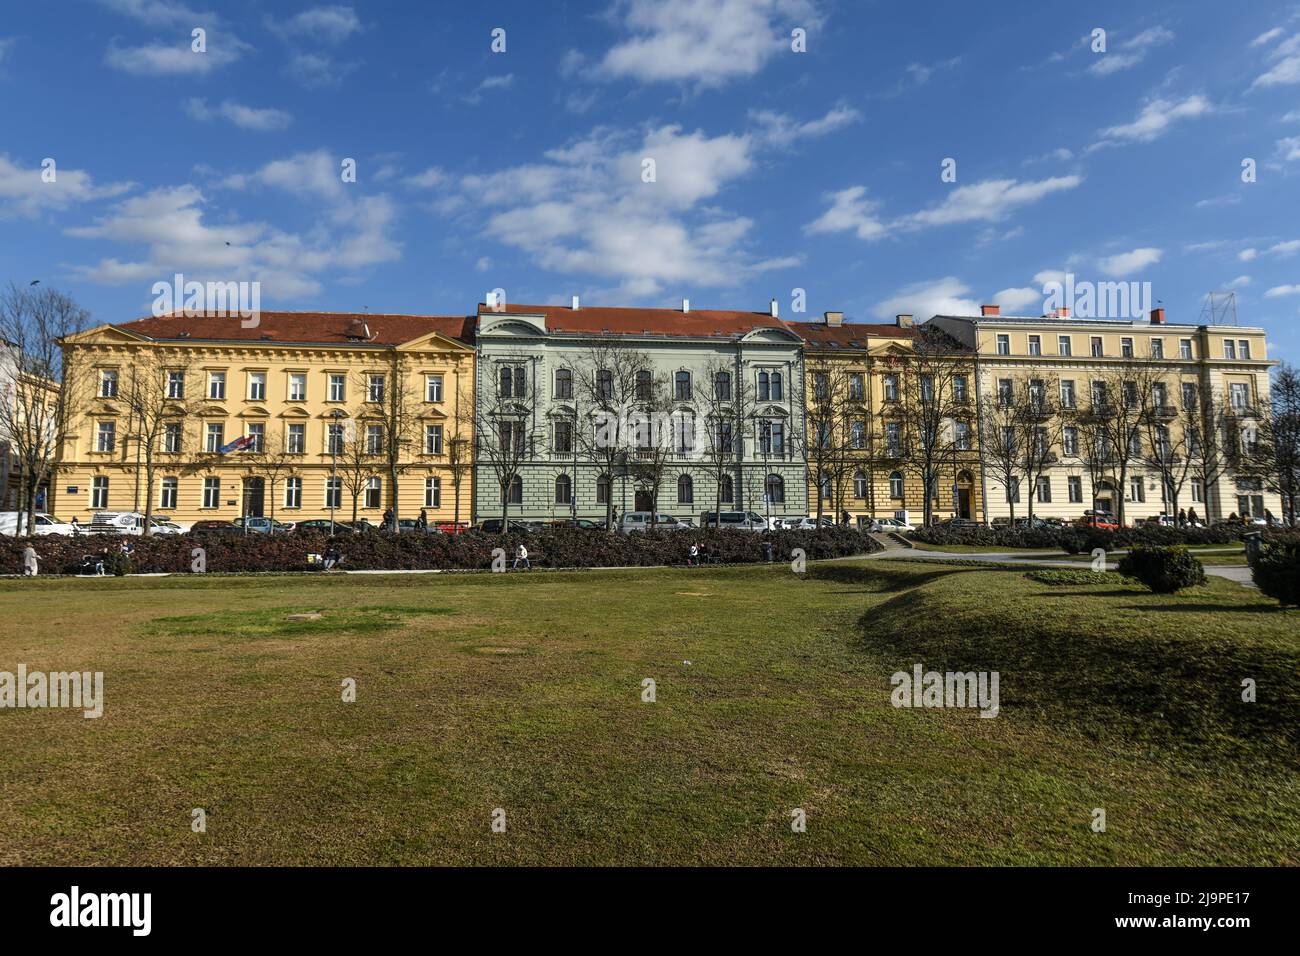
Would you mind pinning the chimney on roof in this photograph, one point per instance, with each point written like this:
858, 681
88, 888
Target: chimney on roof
774, 311
834, 319
686, 306
904, 321
990, 310
574, 304
1158, 316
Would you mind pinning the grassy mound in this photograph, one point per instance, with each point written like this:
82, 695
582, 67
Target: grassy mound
1113, 661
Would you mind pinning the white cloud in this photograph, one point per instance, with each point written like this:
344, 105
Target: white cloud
1285, 70
489, 83
1288, 248
705, 41
176, 58
780, 129
316, 71
1288, 148
1127, 263
427, 179
850, 210
1238, 283
23, 193
327, 24
946, 296
990, 200
1280, 290
1155, 118
1015, 301
156, 13
1267, 37
1130, 52
584, 209
245, 117
483, 264
1292, 117
1247, 255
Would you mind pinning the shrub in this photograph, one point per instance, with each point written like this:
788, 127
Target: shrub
1276, 570
1070, 576
1163, 570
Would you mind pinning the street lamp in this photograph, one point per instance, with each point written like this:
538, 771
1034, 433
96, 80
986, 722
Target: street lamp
335, 438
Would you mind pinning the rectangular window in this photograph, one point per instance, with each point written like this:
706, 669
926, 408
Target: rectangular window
433, 388
682, 386
334, 492
172, 437
771, 438
1070, 440
106, 437
1185, 348
374, 439
216, 437
1189, 394
297, 387
338, 388
295, 439
1064, 345
217, 385
959, 389
1229, 349
99, 492
1098, 394
564, 438
1097, 349
257, 432
1005, 392
891, 388
1243, 349
1004, 345
1043, 489
108, 383
167, 494
961, 436
334, 440
1157, 348
375, 389
433, 492
1238, 394
1067, 393
175, 384
1035, 345
1136, 489
257, 386
374, 487
1075, 485
1126, 347
433, 439
212, 492
1013, 491
1198, 491
857, 387
293, 492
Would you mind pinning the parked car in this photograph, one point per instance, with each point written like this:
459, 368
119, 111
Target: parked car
213, 526
117, 522
449, 527
1102, 520
805, 524
44, 523
515, 525
735, 520
257, 525
640, 521
164, 526
890, 524
322, 526
959, 523
583, 524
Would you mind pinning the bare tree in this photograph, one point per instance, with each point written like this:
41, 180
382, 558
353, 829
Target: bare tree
1165, 450
1280, 438
1207, 431
153, 395
826, 436
356, 464
604, 393
658, 431
43, 396
505, 413
393, 402
726, 404
1000, 425
272, 459
1113, 423
1039, 427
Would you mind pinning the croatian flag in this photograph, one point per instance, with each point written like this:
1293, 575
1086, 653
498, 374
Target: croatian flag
239, 444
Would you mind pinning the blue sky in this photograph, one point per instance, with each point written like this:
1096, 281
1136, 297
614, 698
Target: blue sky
775, 170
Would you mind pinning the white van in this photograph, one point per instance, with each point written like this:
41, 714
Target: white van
736, 520
45, 523
640, 521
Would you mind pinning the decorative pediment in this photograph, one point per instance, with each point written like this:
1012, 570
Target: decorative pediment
771, 411
507, 325
777, 336
294, 411
214, 411
434, 340
105, 335
256, 411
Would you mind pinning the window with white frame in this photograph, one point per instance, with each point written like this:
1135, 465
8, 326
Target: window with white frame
257, 432
433, 439
891, 387
1198, 491
1043, 489
1035, 345
334, 492
212, 492
1239, 395
433, 492
1157, 348
99, 492
334, 436
1243, 349
1067, 393
106, 436
1136, 489
1004, 344
338, 388
896, 484
257, 386
1185, 349
374, 490
215, 437
1096, 346
857, 387
1013, 491
374, 439
859, 486
167, 493
176, 384
1064, 345
375, 388
1229, 349
293, 492
297, 386
1074, 484
858, 436
173, 433
295, 438
433, 388
1126, 347
1070, 440
108, 383
961, 436
217, 385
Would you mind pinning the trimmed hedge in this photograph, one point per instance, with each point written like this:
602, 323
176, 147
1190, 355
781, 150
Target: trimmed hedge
1163, 570
1276, 571
557, 548
1080, 540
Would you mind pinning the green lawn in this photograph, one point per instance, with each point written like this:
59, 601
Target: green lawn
524, 692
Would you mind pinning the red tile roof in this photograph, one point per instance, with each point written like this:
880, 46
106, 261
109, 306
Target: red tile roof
316, 328
851, 335
635, 321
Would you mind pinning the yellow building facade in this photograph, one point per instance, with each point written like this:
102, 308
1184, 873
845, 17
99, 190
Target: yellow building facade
296, 415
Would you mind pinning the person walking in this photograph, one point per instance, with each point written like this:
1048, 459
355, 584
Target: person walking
76, 526
693, 558
388, 520
422, 522
30, 562
521, 554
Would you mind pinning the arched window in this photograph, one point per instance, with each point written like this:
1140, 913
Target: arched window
764, 387
722, 386
643, 386
860, 486
682, 386
517, 490
563, 489
603, 486
776, 387
896, 484
685, 490
775, 490
728, 489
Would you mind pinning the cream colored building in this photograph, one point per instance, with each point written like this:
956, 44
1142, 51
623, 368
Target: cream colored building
312, 396
1226, 362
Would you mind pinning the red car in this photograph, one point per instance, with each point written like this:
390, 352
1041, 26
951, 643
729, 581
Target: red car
1102, 520
448, 527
